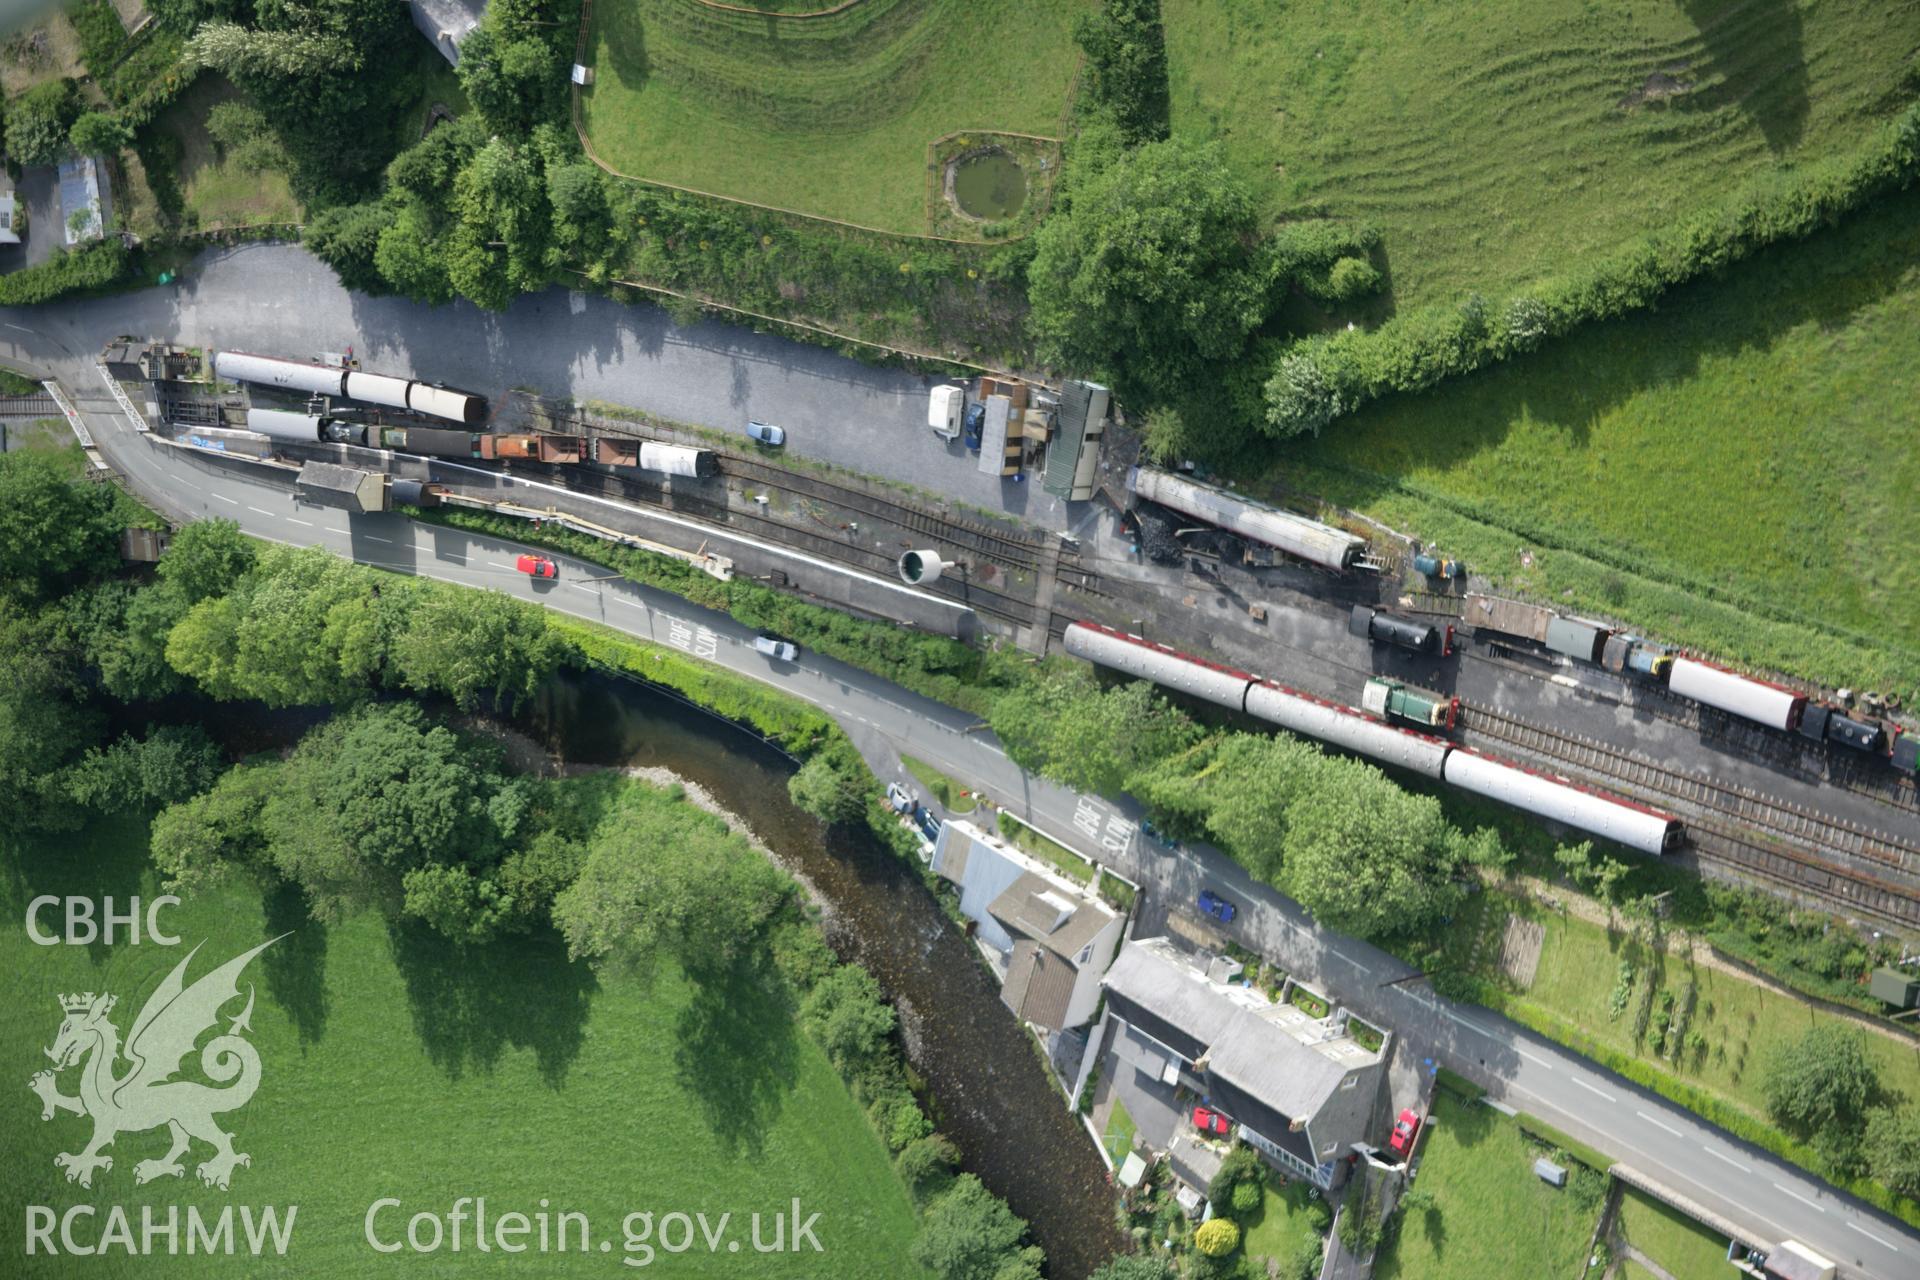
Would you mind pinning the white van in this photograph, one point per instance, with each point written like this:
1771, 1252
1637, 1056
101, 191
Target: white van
944, 406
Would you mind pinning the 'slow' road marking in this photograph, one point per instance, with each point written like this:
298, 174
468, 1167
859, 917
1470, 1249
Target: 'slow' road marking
1883, 1243
1590, 1089
1659, 1124
1802, 1199
1744, 1168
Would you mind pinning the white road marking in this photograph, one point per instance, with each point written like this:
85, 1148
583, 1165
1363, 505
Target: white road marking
1590, 1089
1744, 1168
1536, 1058
370, 538
20, 328
224, 498
592, 591
1344, 956
308, 523
1797, 1196
1660, 1124
631, 604
260, 510
1883, 1243
1468, 1023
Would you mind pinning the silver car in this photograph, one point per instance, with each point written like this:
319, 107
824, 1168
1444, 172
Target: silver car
766, 433
781, 650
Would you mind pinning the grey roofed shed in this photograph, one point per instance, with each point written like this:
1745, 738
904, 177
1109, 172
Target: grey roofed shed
1074, 448
327, 484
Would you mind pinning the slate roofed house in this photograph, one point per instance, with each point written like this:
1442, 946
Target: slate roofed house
1053, 937
447, 23
1301, 1090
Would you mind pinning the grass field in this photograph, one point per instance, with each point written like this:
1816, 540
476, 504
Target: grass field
1499, 142
397, 1066
1741, 1022
1289, 1218
1491, 1215
213, 186
1735, 471
1118, 1138
1683, 1248
827, 116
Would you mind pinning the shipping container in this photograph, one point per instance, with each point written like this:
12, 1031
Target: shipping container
503, 447
1577, 639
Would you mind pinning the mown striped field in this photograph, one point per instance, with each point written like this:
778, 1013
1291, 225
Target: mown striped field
827, 115
1503, 141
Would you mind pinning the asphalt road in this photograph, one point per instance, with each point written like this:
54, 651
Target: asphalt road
1771, 1200
280, 300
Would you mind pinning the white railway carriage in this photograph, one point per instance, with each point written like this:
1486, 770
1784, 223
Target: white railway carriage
294, 375
1298, 536
1148, 661
1341, 727
283, 425
377, 388
676, 460
1633, 825
442, 402
1743, 696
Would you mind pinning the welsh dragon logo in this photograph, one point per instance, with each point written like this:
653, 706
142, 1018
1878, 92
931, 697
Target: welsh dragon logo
146, 1095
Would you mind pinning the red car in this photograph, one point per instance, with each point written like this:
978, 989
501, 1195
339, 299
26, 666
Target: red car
1207, 1120
537, 567
1404, 1131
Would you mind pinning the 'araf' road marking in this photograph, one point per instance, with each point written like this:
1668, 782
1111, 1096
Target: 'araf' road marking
1590, 1089
1659, 1124
1885, 1244
1744, 1168
1534, 1057
1802, 1199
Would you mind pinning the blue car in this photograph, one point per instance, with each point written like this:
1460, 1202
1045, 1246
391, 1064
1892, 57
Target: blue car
929, 825
1217, 907
972, 425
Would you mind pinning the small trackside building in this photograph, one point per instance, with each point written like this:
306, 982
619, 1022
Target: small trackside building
1073, 453
1300, 1089
1050, 938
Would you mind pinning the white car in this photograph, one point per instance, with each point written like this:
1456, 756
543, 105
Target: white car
780, 650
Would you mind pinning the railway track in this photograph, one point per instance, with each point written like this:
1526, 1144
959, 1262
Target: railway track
1744, 827
983, 599
40, 406
1015, 553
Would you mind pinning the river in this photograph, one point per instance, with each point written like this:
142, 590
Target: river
990, 1093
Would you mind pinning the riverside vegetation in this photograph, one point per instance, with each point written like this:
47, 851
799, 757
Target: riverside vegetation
444, 879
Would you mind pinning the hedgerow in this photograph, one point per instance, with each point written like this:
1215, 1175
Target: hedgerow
1321, 378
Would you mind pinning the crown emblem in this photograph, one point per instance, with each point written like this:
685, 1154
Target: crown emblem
82, 1002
